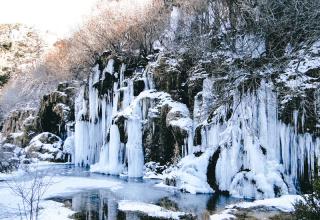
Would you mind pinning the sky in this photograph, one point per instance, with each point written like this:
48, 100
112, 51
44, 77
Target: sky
58, 17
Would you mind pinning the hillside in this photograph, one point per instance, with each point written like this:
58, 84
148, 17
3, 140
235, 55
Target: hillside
209, 97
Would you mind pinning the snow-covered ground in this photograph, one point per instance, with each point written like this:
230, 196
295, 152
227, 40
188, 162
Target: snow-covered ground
130, 196
282, 204
149, 209
58, 185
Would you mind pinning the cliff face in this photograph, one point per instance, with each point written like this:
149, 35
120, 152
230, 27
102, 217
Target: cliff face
224, 119
196, 125
239, 132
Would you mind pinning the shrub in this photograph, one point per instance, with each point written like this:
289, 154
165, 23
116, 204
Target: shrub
119, 26
309, 209
4, 79
279, 22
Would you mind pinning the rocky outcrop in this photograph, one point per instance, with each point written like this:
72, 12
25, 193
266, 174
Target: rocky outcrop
17, 121
24, 129
20, 127
9, 158
46, 147
55, 115
128, 123
219, 119
158, 141
176, 75
57, 109
164, 141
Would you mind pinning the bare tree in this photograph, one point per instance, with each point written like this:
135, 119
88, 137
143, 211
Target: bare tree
30, 190
119, 26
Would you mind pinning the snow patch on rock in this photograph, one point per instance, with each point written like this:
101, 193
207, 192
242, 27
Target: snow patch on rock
149, 209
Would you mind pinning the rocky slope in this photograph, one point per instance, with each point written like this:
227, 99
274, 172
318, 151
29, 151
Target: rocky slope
21, 84
253, 129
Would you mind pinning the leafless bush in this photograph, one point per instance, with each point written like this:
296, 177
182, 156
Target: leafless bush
280, 22
30, 190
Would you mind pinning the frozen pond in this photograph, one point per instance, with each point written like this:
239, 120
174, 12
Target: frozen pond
97, 197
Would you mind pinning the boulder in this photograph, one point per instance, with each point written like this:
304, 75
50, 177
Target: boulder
9, 158
46, 147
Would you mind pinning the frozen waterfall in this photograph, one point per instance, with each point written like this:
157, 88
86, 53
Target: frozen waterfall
97, 136
256, 154
260, 156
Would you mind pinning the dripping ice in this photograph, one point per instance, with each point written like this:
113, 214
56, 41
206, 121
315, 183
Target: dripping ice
259, 156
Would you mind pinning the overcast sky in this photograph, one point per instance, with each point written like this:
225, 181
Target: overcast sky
56, 16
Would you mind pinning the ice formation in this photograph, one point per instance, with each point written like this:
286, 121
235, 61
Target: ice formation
256, 154
97, 136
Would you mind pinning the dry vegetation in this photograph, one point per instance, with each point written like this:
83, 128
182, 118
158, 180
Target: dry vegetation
129, 29
279, 22
119, 26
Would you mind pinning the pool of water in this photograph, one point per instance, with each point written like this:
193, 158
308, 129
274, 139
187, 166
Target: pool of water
102, 204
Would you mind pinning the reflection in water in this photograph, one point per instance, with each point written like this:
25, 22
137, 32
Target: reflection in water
97, 205
102, 204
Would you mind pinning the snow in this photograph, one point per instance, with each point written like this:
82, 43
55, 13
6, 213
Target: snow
54, 210
60, 185
149, 209
14, 174
17, 134
50, 210
294, 76
190, 174
283, 203
97, 135
223, 216
67, 185
45, 146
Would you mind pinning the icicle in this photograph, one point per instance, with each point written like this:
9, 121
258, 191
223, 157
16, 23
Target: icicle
114, 150
259, 150
134, 148
110, 67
